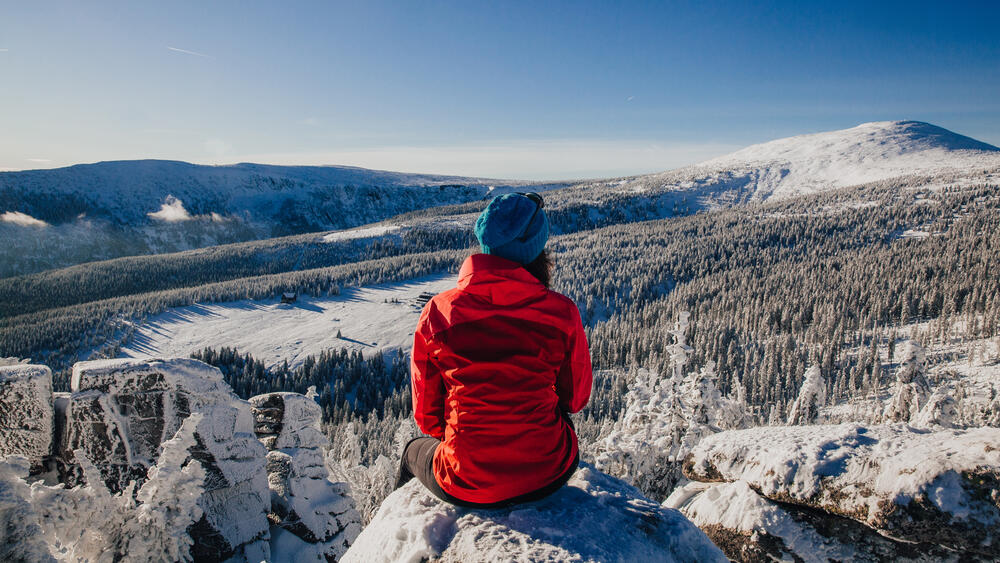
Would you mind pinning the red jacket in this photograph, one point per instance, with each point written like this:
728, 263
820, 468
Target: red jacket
494, 363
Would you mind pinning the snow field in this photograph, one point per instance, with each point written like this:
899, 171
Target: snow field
369, 318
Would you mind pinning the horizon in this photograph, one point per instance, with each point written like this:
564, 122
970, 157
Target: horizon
514, 91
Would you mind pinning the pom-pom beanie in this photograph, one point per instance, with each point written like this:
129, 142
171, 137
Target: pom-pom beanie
509, 227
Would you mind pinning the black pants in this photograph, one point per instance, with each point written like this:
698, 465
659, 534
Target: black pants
418, 461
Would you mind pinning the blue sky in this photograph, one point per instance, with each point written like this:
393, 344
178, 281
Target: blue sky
540, 90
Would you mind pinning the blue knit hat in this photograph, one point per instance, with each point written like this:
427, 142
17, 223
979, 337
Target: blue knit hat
514, 227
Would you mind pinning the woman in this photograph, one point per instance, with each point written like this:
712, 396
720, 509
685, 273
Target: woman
497, 364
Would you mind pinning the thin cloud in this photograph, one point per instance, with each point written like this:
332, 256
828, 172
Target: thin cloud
629, 99
4, 50
39, 160
186, 52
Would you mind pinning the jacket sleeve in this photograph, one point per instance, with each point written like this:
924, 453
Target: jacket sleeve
575, 379
426, 384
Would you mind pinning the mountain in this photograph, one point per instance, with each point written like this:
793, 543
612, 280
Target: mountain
869, 152
84, 213
89, 212
805, 164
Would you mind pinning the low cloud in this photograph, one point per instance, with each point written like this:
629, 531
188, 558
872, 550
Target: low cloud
39, 160
171, 211
21, 219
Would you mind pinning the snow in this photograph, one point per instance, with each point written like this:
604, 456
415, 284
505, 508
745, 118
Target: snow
664, 417
594, 518
806, 164
812, 395
737, 507
304, 502
880, 476
752, 528
368, 318
121, 417
364, 232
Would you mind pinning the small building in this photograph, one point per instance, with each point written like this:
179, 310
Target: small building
289, 296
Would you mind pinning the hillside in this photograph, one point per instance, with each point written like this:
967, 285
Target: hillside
806, 164
88, 212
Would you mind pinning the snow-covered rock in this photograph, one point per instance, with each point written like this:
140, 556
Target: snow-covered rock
119, 414
941, 487
594, 518
26, 415
312, 518
749, 527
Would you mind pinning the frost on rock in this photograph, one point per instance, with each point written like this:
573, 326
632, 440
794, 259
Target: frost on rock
311, 516
940, 487
26, 415
594, 518
20, 535
119, 416
750, 528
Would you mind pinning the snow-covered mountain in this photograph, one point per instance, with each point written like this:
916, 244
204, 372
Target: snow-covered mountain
869, 152
88, 212
83, 213
807, 164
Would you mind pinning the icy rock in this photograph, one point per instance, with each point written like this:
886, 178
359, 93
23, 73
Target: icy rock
121, 411
941, 487
26, 413
312, 516
750, 528
595, 517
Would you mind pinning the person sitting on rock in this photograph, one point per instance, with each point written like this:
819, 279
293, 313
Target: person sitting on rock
497, 364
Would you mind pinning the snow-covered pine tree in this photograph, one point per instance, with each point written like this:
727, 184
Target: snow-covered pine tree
911, 389
812, 396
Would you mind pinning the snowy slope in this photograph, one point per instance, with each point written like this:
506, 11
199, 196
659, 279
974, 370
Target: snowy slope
369, 319
871, 151
82, 213
807, 164
127, 191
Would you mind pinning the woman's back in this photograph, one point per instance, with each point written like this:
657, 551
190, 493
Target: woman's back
496, 363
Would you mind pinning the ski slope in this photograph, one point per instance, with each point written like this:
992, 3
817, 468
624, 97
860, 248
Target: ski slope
369, 319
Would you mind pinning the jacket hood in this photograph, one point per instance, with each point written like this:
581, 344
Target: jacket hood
501, 281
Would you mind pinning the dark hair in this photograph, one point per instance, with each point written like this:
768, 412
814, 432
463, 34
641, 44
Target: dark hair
541, 268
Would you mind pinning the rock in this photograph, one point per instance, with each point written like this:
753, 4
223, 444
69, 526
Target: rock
941, 487
306, 507
750, 528
121, 411
26, 413
595, 517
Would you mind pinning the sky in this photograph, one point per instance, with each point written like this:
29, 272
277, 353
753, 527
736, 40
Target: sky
506, 89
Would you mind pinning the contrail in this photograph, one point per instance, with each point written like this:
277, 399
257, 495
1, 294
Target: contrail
186, 52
